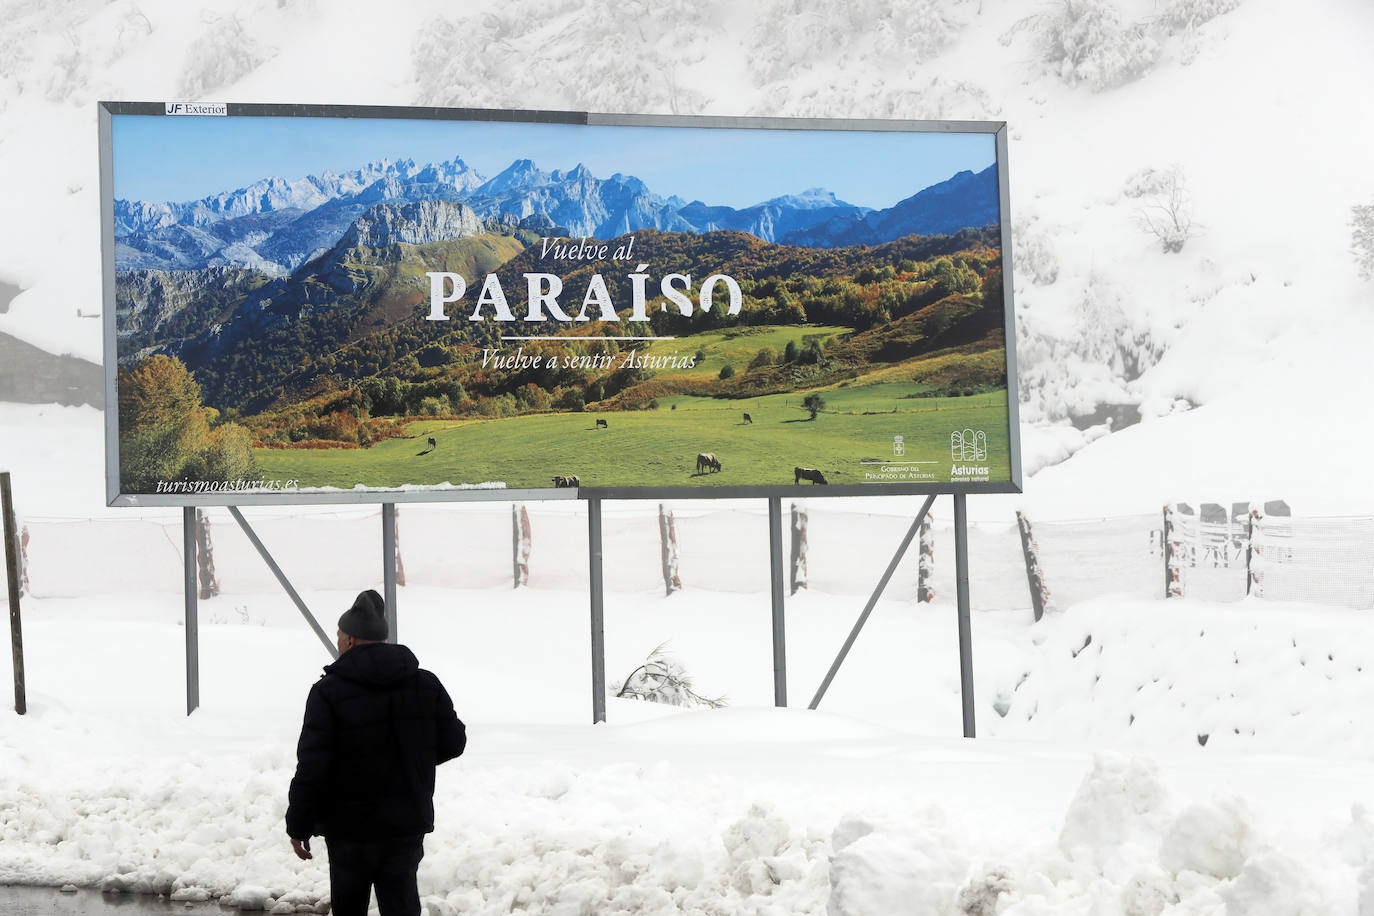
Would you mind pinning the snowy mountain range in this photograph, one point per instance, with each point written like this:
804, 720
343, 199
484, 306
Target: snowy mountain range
275, 225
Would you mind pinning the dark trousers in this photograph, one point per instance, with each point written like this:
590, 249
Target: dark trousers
358, 866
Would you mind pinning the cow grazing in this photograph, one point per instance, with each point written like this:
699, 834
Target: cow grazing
811, 474
566, 480
748, 419
602, 424
707, 460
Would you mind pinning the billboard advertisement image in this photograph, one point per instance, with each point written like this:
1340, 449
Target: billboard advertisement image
311, 301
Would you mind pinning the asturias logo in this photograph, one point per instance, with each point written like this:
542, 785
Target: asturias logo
214, 109
968, 445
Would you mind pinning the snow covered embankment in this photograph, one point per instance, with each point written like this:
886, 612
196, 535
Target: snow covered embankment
632, 839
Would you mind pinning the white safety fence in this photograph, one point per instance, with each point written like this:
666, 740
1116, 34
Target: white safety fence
721, 547
1326, 561
1089, 558
478, 546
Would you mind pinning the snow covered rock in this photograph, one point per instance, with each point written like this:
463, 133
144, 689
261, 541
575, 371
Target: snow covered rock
1211, 839
247, 897
1116, 817
1275, 884
907, 868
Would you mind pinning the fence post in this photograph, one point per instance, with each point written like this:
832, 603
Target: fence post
396, 536
1173, 575
1255, 517
667, 533
21, 705
520, 543
1034, 579
209, 585
925, 562
798, 563
24, 587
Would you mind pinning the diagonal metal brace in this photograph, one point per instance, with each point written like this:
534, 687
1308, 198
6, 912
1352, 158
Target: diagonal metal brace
872, 601
281, 577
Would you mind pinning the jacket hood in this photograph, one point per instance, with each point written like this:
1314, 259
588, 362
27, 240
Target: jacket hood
376, 664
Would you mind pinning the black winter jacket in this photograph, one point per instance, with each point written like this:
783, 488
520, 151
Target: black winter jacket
376, 725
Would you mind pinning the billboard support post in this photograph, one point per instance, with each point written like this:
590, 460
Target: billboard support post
779, 597
965, 628
389, 567
190, 567
872, 601
285, 583
598, 610
12, 555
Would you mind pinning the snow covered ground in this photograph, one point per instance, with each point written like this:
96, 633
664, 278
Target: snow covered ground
1090, 789
871, 804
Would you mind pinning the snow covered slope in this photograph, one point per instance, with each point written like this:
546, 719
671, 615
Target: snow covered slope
1207, 114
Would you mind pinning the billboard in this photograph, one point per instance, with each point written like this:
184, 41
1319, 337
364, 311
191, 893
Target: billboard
323, 304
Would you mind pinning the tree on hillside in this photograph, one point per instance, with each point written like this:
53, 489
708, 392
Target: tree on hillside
814, 403
790, 352
1166, 209
572, 399
230, 453
165, 433
162, 426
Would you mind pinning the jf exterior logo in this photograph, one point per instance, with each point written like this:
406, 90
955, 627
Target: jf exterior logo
968, 450
213, 109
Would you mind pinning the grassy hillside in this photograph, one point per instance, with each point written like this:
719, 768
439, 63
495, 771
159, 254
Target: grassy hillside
659, 447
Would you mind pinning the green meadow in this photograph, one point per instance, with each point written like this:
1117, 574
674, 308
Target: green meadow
738, 346
658, 448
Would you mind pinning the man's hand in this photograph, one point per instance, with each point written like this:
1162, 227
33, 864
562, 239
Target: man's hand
302, 848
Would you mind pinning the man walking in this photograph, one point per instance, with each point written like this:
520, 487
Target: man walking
376, 726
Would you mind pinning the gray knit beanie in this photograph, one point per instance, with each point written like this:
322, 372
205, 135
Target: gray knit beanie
366, 619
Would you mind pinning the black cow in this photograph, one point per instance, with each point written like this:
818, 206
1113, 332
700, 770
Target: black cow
432, 443
602, 424
566, 480
811, 474
707, 460
748, 419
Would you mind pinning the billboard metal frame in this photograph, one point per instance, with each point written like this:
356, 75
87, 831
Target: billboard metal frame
388, 498
379, 495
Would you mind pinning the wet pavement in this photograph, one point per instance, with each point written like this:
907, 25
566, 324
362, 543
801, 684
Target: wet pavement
49, 901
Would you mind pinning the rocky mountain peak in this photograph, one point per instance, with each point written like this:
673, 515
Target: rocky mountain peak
415, 223
522, 173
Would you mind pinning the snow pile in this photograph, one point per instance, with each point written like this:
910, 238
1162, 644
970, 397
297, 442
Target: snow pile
1115, 818
1259, 675
883, 866
624, 837
747, 809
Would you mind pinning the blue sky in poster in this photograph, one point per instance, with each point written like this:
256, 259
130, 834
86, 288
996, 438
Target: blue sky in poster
159, 158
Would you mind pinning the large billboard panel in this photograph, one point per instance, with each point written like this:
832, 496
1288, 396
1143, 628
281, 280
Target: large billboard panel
314, 304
